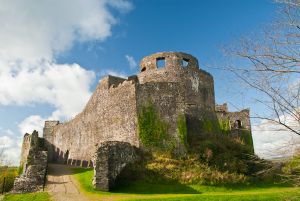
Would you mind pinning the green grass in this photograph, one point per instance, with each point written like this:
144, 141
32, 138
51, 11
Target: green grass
27, 197
9, 173
140, 190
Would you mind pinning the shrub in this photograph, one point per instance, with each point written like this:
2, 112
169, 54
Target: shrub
162, 169
224, 153
9, 174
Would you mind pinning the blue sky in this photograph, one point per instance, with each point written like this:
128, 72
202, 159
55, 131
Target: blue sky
52, 54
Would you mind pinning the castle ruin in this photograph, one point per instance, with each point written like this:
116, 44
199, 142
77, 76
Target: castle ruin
105, 135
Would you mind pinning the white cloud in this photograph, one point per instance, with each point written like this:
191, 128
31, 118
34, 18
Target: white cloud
31, 123
33, 30
64, 86
33, 33
273, 140
131, 61
10, 147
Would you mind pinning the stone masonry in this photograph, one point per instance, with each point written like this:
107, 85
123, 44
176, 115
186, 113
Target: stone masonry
105, 134
34, 163
109, 160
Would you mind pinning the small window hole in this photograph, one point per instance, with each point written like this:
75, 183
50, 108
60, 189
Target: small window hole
160, 62
185, 62
238, 123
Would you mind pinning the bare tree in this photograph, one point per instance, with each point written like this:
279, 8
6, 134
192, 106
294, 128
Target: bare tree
272, 67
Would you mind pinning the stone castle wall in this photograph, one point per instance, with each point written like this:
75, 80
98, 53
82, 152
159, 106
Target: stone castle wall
109, 116
237, 120
111, 113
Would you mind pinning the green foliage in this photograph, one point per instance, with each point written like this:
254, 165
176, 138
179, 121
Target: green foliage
182, 130
20, 169
163, 169
40, 196
224, 126
291, 169
152, 130
224, 153
156, 190
246, 137
210, 126
235, 196
9, 173
85, 177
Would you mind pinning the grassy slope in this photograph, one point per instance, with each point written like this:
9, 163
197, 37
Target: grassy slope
140, 191
10, 174
27, 197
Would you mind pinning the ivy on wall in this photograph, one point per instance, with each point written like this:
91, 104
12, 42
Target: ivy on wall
209, 126
182, 130
224, 126
246, 137
152, 130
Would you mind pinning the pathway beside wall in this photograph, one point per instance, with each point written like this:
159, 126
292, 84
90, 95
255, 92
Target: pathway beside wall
61, 185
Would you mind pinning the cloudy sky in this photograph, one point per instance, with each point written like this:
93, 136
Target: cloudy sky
53, 53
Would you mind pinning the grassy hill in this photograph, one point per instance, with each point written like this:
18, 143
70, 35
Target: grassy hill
141, 190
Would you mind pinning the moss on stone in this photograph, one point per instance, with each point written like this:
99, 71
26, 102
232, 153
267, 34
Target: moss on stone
182, 130
152, 130
210, 126
246, 137
224, 126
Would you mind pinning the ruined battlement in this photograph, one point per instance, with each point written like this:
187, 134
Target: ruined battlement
173, 60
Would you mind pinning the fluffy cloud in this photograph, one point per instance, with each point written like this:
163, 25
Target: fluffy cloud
272, 140
32, 34
33, 30
66, 87
10, 145
31, 123
131, 61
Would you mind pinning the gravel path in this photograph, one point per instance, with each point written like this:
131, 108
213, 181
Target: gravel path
61, 185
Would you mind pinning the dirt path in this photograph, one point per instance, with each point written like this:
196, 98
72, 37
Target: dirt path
61, 184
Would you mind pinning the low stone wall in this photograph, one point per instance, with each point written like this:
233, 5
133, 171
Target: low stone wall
109, 161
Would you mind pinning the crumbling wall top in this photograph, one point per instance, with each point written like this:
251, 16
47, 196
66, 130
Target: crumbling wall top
169, 59
51, 123
221, 108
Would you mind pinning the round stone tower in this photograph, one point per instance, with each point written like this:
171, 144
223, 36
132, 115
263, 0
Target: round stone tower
178, 67
168, 60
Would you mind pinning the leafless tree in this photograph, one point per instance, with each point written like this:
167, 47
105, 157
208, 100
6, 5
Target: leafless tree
269, 63
272, 67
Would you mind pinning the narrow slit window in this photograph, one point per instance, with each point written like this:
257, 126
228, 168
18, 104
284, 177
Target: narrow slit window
160, 62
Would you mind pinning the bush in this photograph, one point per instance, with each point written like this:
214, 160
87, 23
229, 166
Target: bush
224, 153
162, 169
9, 174
291, 170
